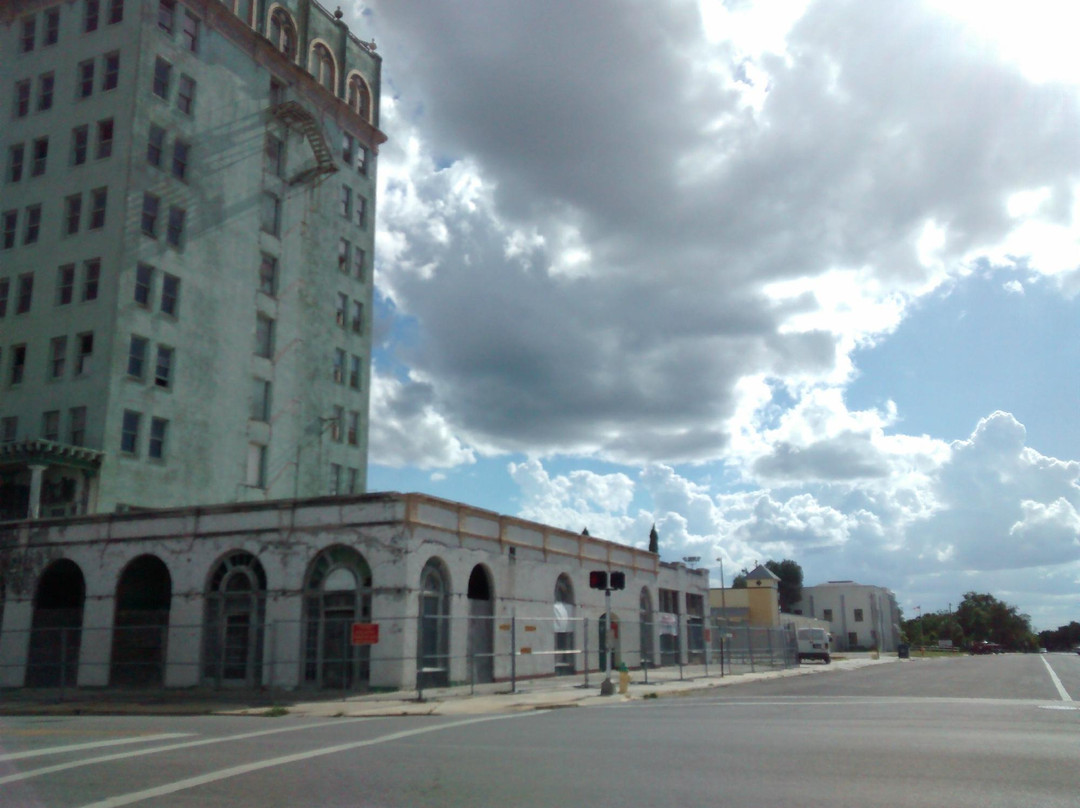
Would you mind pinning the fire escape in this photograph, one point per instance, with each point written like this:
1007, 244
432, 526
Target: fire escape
300, 120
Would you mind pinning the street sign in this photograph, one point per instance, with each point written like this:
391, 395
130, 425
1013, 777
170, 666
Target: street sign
365, 633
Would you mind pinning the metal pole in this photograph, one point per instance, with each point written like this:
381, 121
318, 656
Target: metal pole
585, 644
63, 661
513, 651
750, 646
607, 687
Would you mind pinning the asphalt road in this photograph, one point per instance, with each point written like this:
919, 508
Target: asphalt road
986, 731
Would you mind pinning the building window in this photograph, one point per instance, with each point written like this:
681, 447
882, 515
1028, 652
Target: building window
41, 157
11, 224
27, 34
260, 400
91, 278
264, 336
52, 27
77, 426
354, 372
111, 77
162, 75
155, 145
85, 84
174, 231
256, 465
361, 211
4, 291
144, 284
322, 66
362, 159
277, 92
826, 615
22, 98
181, 149
129, 432
99, 200
339, 366
25, 295
357, 317
346, 201
341, 313
9, 429
275, 155
853, 639
33, 224
85, 351
166, 16
148, 222
57, 357
104, 138
283, 33
170, 295
348, 149
189, 35
50, 425
72, 214
268, 274
858, 615
270, 214
136, 367
163, 367
155, 448
185, 94
16, 157
344, 255
359, 260
337, 424
360, 97
46, 83
90, 15
80, 137
65, 284
335, 479
353, 432
116, 11
354, 476
18, 363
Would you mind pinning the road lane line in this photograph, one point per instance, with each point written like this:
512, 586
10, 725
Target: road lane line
78, 747
234, 771
11, 778
1057, 682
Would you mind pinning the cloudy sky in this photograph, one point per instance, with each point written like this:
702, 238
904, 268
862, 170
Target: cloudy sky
789, 279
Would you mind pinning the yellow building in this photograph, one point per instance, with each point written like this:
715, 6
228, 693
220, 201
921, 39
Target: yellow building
756, 605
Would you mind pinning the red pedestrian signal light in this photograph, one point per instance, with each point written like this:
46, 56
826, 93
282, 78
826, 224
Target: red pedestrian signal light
597, 579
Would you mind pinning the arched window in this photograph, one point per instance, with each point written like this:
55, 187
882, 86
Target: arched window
433, 647
359, 96
337, 593
481, 625
283, 32
56, 630
235, 616
141, 624
564, 626
322, 66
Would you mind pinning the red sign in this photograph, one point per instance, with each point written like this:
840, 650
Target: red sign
365, 633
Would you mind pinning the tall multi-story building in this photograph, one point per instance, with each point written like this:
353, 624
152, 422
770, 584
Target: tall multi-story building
186, 234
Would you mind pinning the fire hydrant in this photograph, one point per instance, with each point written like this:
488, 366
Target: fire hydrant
624, 679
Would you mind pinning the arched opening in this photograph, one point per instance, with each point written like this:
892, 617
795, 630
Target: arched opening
322, 66
56, 627
359, 96
283, 32
337, 593
234, 621
645, 624
433, 646
564, 626
481, 625
141, 626
614, 651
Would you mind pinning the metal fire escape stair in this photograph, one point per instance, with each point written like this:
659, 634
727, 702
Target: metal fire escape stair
296, 117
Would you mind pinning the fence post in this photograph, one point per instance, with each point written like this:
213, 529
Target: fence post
768, 636
681, 643
513, 651
705, 645
750, 645
63, 661
585, 643
273, 654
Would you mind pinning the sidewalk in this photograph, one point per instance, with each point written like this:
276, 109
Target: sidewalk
536, 694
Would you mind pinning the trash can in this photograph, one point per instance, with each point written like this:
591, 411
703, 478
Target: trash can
903, 651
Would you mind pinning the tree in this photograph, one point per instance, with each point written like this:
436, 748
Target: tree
791, 577
654, 540
739, 581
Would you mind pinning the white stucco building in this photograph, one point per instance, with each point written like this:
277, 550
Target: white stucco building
860, 616
268, 594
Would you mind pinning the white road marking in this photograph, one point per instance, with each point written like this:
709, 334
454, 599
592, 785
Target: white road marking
234, 771
1057, 682
11, 778
78, 747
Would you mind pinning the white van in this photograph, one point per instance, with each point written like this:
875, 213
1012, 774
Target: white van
813, 644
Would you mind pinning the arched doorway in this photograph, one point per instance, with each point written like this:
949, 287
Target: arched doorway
616, 641
141, 626
337, 594
56, 628
564, 626
481, 625
433, 646
234, 624
645, 627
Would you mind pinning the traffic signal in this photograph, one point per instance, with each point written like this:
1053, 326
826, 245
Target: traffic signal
597, 579
618, 580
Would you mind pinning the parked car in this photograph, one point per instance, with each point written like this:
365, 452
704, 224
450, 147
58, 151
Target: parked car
986, 647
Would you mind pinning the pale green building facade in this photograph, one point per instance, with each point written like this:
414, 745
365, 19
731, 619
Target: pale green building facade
186, 237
